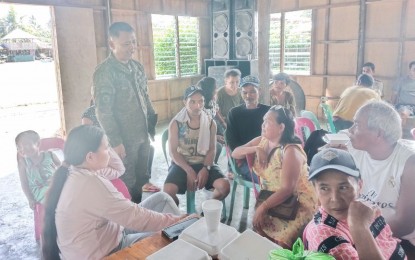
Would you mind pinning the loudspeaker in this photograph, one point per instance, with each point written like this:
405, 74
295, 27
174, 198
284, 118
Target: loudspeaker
244, 29
221, 21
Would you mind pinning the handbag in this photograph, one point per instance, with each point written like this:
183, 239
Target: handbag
286, 210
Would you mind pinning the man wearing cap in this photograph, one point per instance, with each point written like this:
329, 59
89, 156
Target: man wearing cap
279, 93
245, 121
343, 226
124, 108
387, 164
192, 145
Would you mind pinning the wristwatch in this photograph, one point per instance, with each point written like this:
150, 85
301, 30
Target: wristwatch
208, 167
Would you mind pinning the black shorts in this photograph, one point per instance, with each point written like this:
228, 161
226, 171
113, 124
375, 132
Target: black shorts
178, 176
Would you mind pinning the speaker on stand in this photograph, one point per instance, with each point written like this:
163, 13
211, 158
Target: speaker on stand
221, 29
244, 29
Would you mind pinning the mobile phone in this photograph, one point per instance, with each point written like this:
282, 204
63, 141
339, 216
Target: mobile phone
172, 232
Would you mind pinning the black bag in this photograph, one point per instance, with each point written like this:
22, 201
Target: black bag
286, 210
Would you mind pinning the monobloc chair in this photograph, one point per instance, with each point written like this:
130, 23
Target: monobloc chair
52, 143
310, 115
303, 128
328, 114
239, 180
190, 195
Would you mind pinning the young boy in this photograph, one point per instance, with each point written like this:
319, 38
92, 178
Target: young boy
343, 226
35, 167
35, 171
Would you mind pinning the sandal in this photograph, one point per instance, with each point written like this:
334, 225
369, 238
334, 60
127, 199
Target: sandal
149, 187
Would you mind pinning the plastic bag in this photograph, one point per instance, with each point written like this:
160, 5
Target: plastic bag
298, 253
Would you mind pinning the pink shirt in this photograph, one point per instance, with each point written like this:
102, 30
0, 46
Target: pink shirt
328, 235
91, 214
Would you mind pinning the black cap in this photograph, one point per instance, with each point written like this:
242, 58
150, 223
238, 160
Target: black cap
332, 158
190, 91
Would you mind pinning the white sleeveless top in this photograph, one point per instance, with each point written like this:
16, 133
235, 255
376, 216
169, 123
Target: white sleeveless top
382, 179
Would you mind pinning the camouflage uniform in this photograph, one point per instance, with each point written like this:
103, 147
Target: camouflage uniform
123, 116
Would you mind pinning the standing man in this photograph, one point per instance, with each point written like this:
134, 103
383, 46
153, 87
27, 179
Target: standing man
228, 95
369, 69
123, 106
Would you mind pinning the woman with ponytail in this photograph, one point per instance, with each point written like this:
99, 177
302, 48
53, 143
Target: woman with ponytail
85, 216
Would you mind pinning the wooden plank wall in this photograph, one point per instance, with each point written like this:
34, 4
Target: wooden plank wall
389, 42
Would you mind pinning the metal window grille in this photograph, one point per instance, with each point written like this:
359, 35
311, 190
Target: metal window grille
189, 45
296, 54
176, 45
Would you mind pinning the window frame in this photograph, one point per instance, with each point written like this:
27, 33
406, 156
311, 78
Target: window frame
177, 57
282, 39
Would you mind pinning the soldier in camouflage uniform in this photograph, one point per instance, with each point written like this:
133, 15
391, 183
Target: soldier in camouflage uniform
123, 106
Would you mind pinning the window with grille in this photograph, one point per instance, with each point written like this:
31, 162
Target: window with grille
176, 45
290, 53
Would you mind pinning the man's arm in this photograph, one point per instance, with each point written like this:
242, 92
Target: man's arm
210, 155
402, 223
231, 131
360, 218
104, 96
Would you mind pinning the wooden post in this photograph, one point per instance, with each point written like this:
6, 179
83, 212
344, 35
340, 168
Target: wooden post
263, 48
361, 37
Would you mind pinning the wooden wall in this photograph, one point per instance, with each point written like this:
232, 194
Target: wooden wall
342, 41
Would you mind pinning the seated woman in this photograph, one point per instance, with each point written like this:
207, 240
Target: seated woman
281, 164
279, 94
85, 214
89, 118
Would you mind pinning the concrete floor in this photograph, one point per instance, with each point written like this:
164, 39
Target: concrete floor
241, 219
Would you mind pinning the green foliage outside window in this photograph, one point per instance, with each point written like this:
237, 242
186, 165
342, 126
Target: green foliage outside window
172, 60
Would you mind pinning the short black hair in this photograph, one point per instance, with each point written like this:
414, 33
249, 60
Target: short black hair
117, 27
365, 80
232, 73
411, 64
370, 65
28, 135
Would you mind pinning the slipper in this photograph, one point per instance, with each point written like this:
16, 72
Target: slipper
149, 187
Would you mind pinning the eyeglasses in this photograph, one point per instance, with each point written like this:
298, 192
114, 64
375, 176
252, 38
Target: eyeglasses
278, 107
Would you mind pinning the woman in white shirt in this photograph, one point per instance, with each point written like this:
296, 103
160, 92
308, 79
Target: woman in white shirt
85, 215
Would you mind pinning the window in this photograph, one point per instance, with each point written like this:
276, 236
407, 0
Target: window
176, 45
294, 56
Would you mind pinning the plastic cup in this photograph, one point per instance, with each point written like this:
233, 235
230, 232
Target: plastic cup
212, 209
